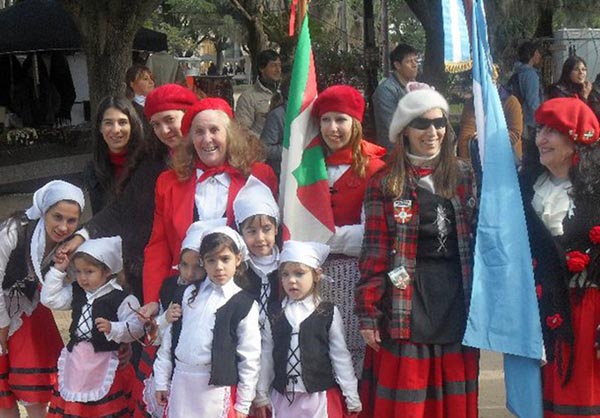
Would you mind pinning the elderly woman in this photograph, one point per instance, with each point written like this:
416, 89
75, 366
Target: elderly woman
562, 201
416, 268
351, 161
209, 170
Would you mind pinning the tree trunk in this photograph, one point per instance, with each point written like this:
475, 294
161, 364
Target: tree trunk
429, 13
257, 42
107, 31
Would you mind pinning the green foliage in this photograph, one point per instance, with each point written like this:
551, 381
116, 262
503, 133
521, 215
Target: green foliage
404, 27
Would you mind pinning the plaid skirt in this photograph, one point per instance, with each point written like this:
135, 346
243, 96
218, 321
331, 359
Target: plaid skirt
403, 379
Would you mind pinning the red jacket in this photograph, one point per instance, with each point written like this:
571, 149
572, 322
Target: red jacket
348, 192
173, 214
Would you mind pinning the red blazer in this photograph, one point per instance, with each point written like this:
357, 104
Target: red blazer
173, 214
348, 192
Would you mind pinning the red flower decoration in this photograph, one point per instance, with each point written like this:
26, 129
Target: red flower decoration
538, 291
595, 235
577, 261
554, 321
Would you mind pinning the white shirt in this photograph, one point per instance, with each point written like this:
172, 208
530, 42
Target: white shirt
195, 341
551, 202
296, 312
211, 195
58, 295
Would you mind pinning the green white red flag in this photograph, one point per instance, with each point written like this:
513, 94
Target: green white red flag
304, 190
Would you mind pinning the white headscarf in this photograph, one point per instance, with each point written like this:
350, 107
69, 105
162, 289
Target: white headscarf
194, 234
255, 198
106, 250
231, 233
313, 254
43, 199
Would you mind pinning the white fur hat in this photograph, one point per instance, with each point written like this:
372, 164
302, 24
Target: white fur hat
313, 254
420, 99
106, 250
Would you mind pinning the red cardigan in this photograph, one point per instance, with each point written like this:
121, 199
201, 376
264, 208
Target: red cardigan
173, 214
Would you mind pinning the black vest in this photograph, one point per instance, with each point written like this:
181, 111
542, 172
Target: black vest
168, 290
105, 306
255, 282
224, 371
19, 268
317, 372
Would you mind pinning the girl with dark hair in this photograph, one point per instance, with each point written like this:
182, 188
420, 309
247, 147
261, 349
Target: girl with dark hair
117, 137
573, 82
29, 339
416, 270
208, 363
561, 196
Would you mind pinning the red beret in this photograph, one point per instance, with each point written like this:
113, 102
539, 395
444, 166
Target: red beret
342, 99
209, 103
570, 116
168, 97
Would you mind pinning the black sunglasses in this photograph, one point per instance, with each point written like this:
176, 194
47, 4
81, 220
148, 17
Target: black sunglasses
424, 123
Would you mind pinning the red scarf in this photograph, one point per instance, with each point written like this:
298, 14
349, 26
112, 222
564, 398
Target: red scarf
118, 160
342, 156
237, 182
422, 172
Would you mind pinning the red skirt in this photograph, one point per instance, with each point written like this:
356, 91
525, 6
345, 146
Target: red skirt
116, 403
28, 371
580, 397
405, 380
144, 371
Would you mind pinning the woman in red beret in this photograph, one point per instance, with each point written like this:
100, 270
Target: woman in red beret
208, 171
351, 161
562, 200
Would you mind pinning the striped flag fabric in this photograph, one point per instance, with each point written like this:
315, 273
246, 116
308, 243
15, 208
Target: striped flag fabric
504, 314
304, 189
457, 54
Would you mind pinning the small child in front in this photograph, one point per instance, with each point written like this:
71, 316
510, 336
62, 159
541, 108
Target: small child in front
90, 382
305, 359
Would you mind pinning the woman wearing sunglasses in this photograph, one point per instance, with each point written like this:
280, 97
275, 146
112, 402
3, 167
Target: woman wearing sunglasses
416, 268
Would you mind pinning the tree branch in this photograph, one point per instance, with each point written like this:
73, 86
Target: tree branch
242, 10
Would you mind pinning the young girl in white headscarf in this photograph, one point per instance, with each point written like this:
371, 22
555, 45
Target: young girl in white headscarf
29, 339
90, 382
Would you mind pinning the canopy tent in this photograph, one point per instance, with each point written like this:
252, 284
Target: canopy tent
43, 25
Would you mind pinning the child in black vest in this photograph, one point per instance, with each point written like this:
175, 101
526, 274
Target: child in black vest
170, 297
210, 358
257, 218
90, 382
304, 356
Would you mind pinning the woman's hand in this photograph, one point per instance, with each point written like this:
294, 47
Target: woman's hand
4, 340
161, 397
261, 411
71, 245
103, 325
239, 414
173, 313
149, 310
586, 89
371, 337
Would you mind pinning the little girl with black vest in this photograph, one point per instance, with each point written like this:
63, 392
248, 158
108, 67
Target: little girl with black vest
171, 293
305, 359
257, 219
208, 363
90, 381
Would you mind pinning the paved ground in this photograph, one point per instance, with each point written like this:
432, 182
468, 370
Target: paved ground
491, 383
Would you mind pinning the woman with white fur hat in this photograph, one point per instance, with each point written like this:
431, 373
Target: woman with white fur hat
29, 339
416, 268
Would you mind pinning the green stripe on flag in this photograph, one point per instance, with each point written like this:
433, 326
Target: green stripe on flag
299, 79
311, 169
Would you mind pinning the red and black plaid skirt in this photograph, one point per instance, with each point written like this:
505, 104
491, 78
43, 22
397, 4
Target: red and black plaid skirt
116, 403
28, 371
580, 397
143, 372
404, 380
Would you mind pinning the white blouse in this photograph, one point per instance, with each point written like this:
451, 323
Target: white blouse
211, 195
195, 342
552, 202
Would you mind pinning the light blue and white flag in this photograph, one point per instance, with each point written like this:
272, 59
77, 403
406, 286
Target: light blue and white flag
504, 314
457, 54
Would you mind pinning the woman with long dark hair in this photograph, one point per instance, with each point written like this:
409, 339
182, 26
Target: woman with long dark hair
416, 271
117, 137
